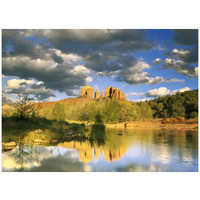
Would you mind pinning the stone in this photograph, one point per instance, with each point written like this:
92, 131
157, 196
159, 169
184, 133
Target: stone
97, 95
87, 91
38, 131
9, 144
101, 94
114, 93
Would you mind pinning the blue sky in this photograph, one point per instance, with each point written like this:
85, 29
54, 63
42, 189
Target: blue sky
50, 65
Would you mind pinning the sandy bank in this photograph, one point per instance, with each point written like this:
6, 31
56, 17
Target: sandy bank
157, 124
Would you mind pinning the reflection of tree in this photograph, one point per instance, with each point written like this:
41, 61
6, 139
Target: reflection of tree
23, 155
98, 134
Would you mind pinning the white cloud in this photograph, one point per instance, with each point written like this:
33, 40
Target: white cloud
142, 100
181, 90
135, 94
80, 69
88, 79
181, 52
162, 91
96, 87
17, 83
180, 67
196, 71
157, 61
40, 83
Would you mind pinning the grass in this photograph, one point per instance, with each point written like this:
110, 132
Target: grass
31, 129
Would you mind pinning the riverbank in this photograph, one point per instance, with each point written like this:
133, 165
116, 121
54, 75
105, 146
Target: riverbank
42, 131
191, 124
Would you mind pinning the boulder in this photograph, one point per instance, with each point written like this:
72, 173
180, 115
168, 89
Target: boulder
38, 131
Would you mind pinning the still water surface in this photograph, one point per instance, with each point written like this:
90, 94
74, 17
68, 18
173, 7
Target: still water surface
113, 150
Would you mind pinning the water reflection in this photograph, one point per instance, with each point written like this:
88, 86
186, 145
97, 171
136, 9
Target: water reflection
131, 150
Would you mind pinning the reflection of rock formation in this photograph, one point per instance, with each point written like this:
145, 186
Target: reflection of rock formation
87, 91
85, 149
114, 155
114, 93
89, 151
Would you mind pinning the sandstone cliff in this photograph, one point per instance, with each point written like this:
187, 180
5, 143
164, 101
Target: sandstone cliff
114, 93
87, 91
97, 94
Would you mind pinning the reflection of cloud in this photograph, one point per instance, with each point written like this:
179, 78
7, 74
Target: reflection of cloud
10, 163
163, 155
31, 158
87, 168
46, 161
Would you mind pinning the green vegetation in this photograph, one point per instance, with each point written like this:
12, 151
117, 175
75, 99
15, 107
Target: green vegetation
112, 111
183, 104
57, 111
39, 128
25, 124
23, 121
108, 111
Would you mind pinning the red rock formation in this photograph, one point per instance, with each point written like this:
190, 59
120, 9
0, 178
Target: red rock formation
87, 91
114, 93
101, 94
97, 95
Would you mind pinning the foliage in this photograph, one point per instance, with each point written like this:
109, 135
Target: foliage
24, 108
58, 111
183, 104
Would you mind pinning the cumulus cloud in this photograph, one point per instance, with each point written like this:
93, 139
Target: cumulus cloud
84, 41
185, 36
17, 83
180, 67
142, 100
62, 77
135, 75
135, 94
6, 98
157, 61
18, 86
65, 60
181, 90
188, 55
162, 91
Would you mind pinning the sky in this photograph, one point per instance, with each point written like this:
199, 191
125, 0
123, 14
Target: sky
54, 64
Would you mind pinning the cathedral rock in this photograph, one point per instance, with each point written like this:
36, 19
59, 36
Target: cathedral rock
87, 91
97, 94
110, 92
114, 93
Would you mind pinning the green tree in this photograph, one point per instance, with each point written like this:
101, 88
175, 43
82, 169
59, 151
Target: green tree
145, 110
111, 111
24, 108
58, 111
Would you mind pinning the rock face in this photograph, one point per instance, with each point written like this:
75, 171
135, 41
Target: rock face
87, 91
97, 94
114, 93
110, 92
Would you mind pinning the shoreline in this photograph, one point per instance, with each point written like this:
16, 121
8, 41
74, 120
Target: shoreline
157, 124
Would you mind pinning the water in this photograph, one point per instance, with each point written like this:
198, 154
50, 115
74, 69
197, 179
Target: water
125, 150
